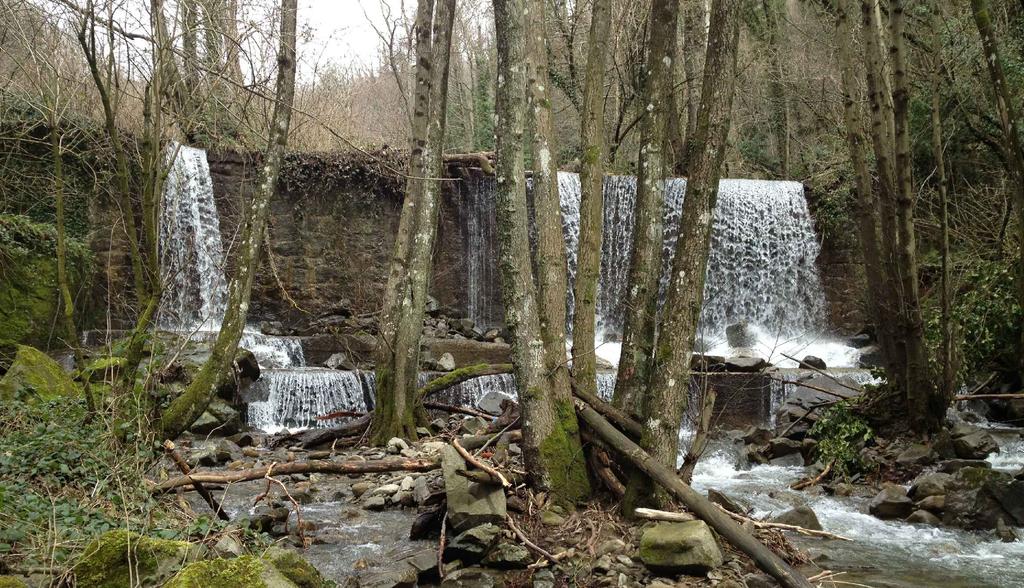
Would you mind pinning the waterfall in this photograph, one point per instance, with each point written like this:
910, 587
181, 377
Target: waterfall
761, 266
191, 254
296, 397
480, 239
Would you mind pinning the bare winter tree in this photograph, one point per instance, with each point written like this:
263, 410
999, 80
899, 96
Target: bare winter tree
405, 300
185, 409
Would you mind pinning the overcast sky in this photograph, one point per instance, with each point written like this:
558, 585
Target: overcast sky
341, 31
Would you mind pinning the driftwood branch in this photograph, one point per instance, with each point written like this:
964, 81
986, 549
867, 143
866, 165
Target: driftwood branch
301, 467
456, 409
202, 490
812, 481
783, 526
664, 515
478, 441
701, 507
479, 464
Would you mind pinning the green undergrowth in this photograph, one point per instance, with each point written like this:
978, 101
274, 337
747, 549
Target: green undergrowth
841, 434
65, 479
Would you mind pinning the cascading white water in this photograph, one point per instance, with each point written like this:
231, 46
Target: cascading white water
480, 238
191, 254
192, 261
296, 397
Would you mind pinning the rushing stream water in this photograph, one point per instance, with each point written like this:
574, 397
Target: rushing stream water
762, 270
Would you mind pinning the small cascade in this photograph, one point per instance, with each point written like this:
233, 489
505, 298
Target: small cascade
605, 386
273, 351
480, 240
296, 397
470, 392
191, 253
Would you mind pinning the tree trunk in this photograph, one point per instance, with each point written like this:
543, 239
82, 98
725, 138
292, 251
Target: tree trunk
948, 388
552, 273
773, 12
1010, 125
648, 236
880, 295
588, 259
702, 507
547, 444
927, 408
63, 282
405, 302
665, 401
694, 46
185, 409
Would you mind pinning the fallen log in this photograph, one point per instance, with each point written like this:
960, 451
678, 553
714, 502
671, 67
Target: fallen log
615, 415
664, 515
202, 490
481, 160
455, 377
314, 437
393, 464
701, 507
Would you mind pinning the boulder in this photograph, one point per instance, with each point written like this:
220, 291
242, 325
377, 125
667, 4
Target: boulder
741, 335
403, 576
870, 357
473, 578
930, 484
727, 502
891, 503
35, 376
395, 445
295, 568
917, 454
788, 461
508, 556
340, 361
745, 364
783, 446
446, 362
472, 544
673, 548
952, 466
801, 516
756, 435
492, 401
248, 570
923, 517
122, 558
977, 498
12, 582
976, 445
935, 504
811, 361
215, 453
219, 417
469, 504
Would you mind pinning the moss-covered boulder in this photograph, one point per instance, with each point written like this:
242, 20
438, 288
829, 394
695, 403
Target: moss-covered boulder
33, 375
674, 548
295, 568
12, 582
241, 572
104, 369
121, 558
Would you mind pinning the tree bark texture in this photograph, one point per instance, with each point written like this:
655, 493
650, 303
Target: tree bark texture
548, 446
185, 409
588, 260
665, 401
405, 303
645, 266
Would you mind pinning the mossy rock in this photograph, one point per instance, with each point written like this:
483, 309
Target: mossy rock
105, 368
295, 568
241, 572
118, 558
12, 582
33, 375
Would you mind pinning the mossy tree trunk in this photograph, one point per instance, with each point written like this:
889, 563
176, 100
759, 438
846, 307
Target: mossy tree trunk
549, 447
402, 315
588, 260
694, 46
645, 266
665, 401
185, 409
1010, 126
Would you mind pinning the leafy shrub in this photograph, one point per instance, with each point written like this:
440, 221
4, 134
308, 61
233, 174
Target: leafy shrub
841, 434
